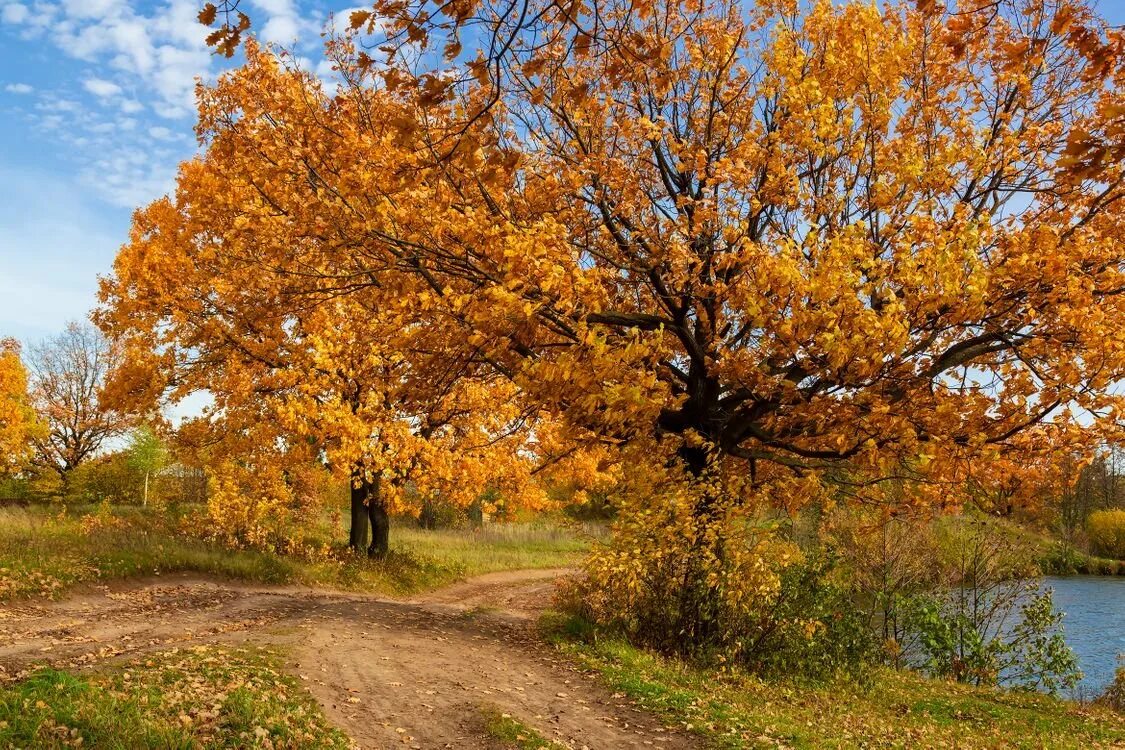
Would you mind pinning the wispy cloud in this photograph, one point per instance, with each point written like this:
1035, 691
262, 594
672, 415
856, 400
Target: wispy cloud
136, 62
18, 88
101, 88
14, 13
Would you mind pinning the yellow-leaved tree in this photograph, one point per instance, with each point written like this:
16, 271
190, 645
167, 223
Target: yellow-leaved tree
769, 248
19, 424
309, 364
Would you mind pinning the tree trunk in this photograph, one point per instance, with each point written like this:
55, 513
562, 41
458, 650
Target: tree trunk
696, 618
369, 511
357, 538
695, 458
380, 522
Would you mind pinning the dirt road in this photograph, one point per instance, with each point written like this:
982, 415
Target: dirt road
390, 673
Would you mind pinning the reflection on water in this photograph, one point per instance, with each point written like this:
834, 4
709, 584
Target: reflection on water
1094, 624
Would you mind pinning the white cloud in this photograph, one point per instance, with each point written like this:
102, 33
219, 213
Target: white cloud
284, 24
141, 62
283, 30
58, 104
101, 88
93, 8
18, 88
131, 178
340, 21
15, 13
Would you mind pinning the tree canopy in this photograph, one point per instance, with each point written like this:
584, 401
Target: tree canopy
792, 240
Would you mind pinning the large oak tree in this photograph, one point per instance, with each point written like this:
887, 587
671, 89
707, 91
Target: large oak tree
801, 237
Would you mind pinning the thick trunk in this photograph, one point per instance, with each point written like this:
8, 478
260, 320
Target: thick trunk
357, 538
380, 524
695, 459
369, 512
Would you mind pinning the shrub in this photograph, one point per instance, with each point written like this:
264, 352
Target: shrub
15, 489
961, 644
108, 478
1060, 559
888, 561
439, 513
1106, 529
813, 628
707, 577
252, 508
679, 580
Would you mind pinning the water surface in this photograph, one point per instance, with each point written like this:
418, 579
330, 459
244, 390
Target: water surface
1094, 624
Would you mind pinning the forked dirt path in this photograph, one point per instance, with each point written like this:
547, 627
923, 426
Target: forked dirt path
390, 673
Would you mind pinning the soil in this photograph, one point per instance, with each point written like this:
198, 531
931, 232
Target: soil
390, 673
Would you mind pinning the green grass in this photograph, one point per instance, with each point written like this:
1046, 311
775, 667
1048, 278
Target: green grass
897, 709
43, 551
1050, 554
204, 697
508, 546
512, 732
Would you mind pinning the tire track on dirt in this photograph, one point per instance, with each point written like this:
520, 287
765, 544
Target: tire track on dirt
390, 673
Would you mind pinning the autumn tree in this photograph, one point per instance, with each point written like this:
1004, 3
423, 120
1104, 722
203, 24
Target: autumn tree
761, 247
300, 374
68, 372
18, 422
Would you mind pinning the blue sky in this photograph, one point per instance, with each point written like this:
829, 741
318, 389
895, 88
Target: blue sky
95, 113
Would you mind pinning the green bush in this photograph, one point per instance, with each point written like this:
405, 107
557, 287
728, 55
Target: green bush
15, 488
597, 507
1106, 529
814, 629
108, 477
437, 513
958, 644
1061, 559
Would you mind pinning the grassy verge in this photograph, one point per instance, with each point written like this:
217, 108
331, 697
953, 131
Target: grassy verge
897, 709
513, 733
43, 551
199, 698
1056, 558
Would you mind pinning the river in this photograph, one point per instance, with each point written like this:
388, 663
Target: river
1094, 624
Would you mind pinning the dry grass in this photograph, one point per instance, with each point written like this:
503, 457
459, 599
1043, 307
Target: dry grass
44, 550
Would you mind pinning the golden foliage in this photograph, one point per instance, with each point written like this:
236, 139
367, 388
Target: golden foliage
675, 572
836, 239
1107, 532
252, 507
18, 421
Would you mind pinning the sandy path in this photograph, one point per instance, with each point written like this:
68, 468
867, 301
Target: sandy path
392, 674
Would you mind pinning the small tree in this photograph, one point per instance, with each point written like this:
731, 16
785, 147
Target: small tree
891, 561
147, 456
991, 622
18, 424
68, 372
